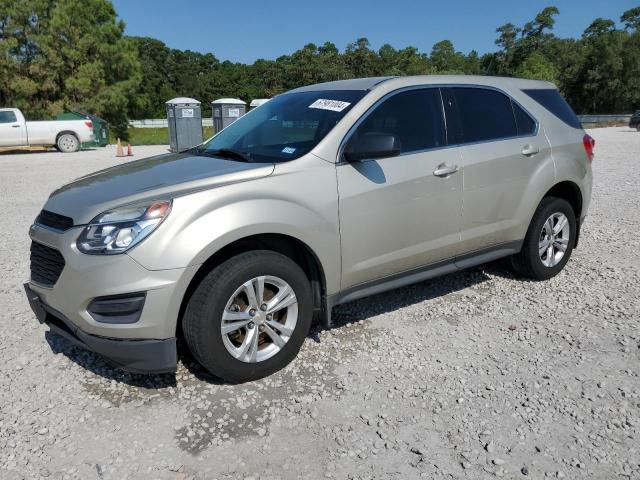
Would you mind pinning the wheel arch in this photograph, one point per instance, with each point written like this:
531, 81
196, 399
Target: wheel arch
287, 245
569, 191
67, 132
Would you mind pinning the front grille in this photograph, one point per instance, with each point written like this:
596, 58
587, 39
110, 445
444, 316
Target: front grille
46, 264
54, 220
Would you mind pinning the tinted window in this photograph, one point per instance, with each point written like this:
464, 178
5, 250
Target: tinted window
415, 116
553, 101
526, 125
284, 128
7, 117
483, 114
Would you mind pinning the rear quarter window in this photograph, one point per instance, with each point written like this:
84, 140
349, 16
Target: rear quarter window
526, 125
554, 102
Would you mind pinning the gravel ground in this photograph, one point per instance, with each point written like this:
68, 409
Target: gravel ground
473, 375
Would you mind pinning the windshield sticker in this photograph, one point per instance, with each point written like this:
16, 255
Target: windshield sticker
334, 105
288, 150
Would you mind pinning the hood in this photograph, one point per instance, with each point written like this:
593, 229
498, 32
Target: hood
159, 177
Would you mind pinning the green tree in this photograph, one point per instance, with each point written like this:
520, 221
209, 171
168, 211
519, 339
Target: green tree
508, 36
157, 84
360, 60
67, 54
543, 21
631, 19
445, 59
599, 26
537, 67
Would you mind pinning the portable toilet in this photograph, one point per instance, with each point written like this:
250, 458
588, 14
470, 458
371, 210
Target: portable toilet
255, 103
226, 111
184, 118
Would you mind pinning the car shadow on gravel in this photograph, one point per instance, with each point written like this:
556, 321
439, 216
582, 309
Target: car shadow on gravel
343, 316
97, 365
26, 151
412, 294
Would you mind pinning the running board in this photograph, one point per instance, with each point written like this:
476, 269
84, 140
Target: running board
417, 275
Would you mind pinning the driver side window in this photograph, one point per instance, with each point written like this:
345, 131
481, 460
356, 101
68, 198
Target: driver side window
414, 116
7, 117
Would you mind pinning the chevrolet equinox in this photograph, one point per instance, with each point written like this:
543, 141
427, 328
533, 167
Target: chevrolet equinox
325, 194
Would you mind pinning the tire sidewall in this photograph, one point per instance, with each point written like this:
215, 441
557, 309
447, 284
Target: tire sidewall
549, 206
213, 354
62, 149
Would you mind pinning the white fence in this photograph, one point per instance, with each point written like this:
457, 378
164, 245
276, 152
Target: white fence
162, 123
590, 120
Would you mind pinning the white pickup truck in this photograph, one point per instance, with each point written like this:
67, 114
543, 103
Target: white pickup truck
65, 135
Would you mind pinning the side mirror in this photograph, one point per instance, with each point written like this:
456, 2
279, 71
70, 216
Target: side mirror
372, 145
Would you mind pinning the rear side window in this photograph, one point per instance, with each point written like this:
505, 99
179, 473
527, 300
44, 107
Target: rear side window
415, 116
526, 125
7, 117
483, 114
554, 102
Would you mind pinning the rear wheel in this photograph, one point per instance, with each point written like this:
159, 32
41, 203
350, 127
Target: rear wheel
67, 143
549, 241
249, 316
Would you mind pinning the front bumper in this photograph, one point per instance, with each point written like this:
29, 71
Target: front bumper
86, 277
133, 355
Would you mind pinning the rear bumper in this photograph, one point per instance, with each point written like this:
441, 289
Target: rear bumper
133, 355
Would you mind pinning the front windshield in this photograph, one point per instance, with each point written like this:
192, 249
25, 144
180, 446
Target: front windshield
284, 128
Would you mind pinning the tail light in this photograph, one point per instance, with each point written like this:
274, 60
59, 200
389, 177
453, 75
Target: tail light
89, 124
589, 142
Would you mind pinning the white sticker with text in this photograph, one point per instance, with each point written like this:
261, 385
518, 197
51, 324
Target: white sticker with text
288, 150
334, 105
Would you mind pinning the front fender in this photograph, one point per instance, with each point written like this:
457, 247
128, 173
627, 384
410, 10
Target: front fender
202, 223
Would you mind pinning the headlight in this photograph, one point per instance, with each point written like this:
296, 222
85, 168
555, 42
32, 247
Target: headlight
119, 229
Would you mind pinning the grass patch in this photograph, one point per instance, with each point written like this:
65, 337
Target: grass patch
153, 136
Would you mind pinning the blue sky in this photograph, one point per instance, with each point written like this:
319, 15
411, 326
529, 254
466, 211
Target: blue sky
243, 31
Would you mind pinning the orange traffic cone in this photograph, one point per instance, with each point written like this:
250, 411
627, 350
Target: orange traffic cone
119, 151
129, 150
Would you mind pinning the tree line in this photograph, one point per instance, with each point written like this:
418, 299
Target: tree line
73, 54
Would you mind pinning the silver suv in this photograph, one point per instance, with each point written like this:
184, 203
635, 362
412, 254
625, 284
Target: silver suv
323, 195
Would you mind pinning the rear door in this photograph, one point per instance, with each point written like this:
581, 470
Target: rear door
12, 131
396, 213
502, 148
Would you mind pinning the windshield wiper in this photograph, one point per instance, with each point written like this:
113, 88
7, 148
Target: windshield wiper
226, 153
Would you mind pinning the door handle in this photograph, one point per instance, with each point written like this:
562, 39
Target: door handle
530, 150
444, 170
15, 126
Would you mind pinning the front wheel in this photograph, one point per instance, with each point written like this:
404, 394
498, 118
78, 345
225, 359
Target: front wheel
67, 143
549, 241
249, 316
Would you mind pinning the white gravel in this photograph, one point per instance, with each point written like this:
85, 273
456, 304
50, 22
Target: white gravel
473, 375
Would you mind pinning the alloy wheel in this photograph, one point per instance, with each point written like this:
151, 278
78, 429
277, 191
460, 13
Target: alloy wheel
554, 239
259, 319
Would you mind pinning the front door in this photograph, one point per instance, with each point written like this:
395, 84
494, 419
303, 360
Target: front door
11, 131
402, 212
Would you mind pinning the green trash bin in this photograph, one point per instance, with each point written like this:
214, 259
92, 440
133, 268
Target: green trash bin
100, 127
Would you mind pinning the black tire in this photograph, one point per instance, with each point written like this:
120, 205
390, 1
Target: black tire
202, 319
638, 127
528, 262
